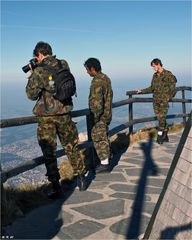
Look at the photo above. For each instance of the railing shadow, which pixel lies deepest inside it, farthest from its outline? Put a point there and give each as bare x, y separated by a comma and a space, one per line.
149, 168
119, 147
171, 232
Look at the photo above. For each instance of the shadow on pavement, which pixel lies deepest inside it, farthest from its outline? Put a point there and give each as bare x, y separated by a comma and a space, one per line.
43, 222
119, 146
171, 232
149, 168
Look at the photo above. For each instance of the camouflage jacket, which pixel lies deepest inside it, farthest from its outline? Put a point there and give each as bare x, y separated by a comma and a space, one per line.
100, 98
39, 88
163, 86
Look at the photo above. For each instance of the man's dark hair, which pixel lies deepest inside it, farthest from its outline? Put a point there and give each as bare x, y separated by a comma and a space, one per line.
156, 61
93, 62
43, 48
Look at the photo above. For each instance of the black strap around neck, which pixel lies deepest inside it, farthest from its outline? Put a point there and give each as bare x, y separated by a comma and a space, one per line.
59, 64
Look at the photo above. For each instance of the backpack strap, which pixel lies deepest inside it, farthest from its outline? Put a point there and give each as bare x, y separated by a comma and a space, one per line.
59, 64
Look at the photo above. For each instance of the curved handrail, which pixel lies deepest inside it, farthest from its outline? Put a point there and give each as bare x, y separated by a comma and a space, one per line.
185, 88
85, 112
11, 122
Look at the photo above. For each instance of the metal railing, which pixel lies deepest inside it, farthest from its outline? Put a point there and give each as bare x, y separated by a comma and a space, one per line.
4, 123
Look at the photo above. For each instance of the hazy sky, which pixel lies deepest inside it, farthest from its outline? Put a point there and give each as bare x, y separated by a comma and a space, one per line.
124, 35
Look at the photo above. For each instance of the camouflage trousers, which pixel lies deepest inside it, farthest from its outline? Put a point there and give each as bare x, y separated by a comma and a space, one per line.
161, 109
99, 135
49, 127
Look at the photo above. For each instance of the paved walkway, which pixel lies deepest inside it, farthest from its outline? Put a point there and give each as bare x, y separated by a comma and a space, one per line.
117, 205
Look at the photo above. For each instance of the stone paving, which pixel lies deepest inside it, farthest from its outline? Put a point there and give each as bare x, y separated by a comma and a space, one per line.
116, 205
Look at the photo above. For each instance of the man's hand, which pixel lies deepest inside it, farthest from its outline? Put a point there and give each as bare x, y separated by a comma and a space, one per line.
31, 70
138, 91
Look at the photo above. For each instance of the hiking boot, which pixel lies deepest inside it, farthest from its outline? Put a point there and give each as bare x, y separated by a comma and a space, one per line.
56, 191
165, 136
102, 168
81, 182
160, 137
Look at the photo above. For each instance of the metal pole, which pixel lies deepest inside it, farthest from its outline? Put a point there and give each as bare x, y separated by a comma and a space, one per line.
184, 107
91, 151
130, 115
88, 123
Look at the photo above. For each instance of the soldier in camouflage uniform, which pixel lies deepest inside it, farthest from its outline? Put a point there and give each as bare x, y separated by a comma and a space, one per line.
163, 87
53, 119
100, 105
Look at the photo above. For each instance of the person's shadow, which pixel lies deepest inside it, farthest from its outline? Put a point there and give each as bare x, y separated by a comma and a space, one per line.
45, 220
171, 232
149, 168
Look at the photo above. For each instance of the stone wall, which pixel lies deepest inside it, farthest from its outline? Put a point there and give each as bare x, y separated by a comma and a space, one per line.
172, 218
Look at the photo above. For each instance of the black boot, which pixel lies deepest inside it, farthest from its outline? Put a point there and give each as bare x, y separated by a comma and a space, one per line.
81, 182
165, 136
160, 137
101, 168
56, 191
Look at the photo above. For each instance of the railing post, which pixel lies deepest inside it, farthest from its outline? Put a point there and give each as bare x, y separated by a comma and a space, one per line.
88, 123
91, 164
130, 115
184, 106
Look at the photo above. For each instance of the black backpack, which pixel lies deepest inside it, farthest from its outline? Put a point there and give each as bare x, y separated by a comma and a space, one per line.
64, 86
